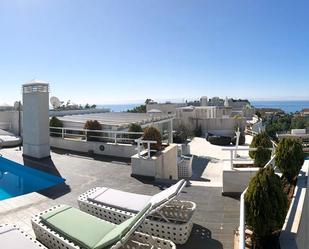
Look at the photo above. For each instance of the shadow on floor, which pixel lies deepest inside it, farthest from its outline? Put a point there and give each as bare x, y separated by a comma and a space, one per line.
200, 238
102, 158
47, 165
199, 164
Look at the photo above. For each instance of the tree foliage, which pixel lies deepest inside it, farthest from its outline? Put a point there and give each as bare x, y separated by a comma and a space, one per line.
289, 158
265, 205
262, 155
198, 131
279, 124
138, 109
153, 134
141, 108
93, 125
299, 122
55, 122
219, 140
135, 128
181, 134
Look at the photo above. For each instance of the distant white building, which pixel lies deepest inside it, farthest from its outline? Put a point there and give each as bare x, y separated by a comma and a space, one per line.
204, 101
165, 108
215, 114
6, 107
213, 119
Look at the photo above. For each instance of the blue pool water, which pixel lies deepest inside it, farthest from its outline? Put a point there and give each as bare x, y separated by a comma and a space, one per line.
17, 179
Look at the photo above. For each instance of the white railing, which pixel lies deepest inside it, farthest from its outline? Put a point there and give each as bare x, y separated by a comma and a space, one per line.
233, 151
141, 142
242, 214
95, 135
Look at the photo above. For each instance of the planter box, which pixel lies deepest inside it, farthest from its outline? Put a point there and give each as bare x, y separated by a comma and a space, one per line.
163, 165
236, 180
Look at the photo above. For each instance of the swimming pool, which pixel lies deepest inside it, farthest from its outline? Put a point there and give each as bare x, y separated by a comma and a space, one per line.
17, 179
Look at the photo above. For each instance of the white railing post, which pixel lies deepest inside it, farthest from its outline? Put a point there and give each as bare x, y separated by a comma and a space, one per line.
138, 147
231, 159
148, 147
115, 138
242, 235
237, 142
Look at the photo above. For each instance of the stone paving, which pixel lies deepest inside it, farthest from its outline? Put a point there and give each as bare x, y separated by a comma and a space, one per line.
215, 219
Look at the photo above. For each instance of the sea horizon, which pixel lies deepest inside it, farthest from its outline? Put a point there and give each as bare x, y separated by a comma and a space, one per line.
286, 105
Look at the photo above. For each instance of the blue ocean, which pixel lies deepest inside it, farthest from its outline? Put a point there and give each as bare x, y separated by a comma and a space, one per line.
119, 107
286, 105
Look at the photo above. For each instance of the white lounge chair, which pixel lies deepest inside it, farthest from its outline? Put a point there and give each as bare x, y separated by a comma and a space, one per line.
12, 237
65, 227
170, 218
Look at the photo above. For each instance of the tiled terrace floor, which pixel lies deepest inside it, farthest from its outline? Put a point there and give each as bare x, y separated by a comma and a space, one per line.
215, 219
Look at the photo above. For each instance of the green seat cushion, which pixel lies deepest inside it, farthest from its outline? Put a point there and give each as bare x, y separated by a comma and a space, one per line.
79, 227
122, 229
86, 230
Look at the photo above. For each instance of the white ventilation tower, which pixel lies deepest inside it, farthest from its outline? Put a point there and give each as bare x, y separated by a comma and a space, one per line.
204, 101
36, 119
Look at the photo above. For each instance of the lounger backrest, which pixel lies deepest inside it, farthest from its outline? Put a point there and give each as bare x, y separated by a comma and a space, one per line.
167, 194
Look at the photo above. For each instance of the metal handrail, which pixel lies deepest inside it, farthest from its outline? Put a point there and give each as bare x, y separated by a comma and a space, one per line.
242, 225
84, 134
140, 142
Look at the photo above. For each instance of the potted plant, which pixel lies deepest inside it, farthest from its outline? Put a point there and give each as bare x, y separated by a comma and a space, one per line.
289, 158
153, 134
93, 125
265, 207
262, 155
55, 122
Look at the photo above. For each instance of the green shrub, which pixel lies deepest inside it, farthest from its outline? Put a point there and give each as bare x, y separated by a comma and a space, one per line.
181, 135
55, 122
289, 158
219, 140
242, 139
198, 131
135, 128
153, 134
93, 125
265, 205
262, 155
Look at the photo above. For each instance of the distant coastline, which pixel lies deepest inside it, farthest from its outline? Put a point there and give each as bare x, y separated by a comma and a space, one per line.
286, 105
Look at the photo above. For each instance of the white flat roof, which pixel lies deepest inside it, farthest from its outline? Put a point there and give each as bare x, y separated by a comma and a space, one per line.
118, 118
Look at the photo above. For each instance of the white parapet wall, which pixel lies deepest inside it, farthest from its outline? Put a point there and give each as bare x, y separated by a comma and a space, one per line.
295, 231
236, 180
100, 148
298, 131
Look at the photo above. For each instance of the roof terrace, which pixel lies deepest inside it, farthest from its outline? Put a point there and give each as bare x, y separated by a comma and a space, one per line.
215, 219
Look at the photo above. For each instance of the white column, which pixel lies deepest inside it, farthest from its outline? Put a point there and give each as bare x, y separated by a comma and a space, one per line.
237, 142
36, 119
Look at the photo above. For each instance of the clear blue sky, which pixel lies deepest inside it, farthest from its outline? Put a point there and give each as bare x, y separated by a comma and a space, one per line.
102, 51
